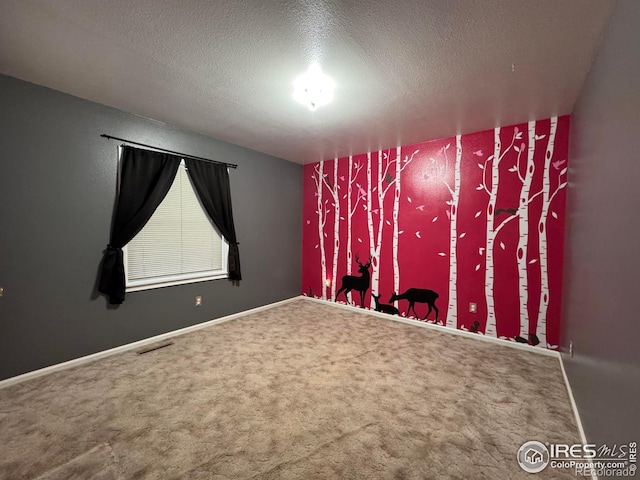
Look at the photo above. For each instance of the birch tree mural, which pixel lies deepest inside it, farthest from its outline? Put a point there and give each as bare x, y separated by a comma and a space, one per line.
492, 230
354, 170
493, 215
452, 213
396, 234
523, 229
318, 177
372, 243
333, 191
547, 199
384, 182
396, 209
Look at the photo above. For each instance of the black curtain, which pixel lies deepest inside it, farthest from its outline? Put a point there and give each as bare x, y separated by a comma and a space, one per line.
211, 183
145, 178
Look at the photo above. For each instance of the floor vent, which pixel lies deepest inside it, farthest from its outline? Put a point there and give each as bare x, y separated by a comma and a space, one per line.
153, 348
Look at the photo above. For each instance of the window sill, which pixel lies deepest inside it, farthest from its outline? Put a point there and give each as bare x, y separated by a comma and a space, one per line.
172, 283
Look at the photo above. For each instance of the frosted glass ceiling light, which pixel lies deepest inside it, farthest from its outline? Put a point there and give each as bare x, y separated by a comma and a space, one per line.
313, 89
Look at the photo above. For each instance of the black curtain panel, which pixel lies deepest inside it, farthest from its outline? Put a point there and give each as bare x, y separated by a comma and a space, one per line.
145, 179
211, 183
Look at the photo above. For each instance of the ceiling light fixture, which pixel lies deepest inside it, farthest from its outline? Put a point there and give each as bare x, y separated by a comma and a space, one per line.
313, 89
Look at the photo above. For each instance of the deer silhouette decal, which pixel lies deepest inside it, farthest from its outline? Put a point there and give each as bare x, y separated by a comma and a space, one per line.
418, 295
383, 307
357, 283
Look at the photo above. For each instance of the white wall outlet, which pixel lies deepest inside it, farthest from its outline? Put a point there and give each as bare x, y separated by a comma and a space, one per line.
473, 307
198, 301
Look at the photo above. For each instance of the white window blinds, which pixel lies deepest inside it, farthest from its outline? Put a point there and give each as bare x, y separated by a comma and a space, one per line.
179, 244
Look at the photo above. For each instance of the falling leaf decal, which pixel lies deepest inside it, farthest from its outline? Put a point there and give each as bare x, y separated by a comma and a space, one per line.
540, 137
442, 254
481, 166
418, 234
409, 199
478, 213
420, 207
479, 187
308, 222
400, 232
533, 261
477, 267
478, 153
502, 246
388, 222
316, 246
462, 235
360, 240
554, 215
448, 214
481, 250
434, 219
341, 218
344, 196
342, 177
447, 147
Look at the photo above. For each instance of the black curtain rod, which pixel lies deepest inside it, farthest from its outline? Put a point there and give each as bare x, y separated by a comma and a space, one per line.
230, 165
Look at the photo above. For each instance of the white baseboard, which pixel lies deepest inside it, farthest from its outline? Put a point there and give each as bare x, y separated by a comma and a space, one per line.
574, 407
440, 328
130, 346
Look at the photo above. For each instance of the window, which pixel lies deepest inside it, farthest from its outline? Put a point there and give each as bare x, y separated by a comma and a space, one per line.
178, 245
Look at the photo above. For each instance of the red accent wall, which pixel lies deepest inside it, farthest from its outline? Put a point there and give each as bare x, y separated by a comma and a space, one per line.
454, 201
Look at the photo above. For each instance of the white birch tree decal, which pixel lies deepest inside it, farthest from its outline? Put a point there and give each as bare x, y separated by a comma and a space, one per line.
372, 248
384, 182
452, 308
321, 210
547, 199
396, 210
354, 170
523, 228
333, 191
492, 230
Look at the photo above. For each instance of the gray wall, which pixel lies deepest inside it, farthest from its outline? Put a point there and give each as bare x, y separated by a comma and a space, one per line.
603, 243
57, 187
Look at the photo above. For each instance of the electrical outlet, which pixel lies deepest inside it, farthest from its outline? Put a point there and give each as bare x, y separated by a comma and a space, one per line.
198, 301
473, 307
570, 348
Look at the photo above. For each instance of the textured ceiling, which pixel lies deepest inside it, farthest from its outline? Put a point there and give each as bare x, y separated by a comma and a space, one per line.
406, 71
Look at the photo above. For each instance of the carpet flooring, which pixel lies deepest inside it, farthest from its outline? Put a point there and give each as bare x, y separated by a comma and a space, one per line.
300, 391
